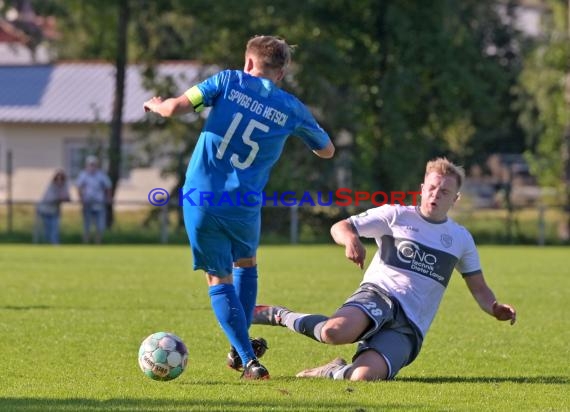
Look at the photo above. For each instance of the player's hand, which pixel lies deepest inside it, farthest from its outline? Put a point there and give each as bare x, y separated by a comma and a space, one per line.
150, 105
356, 252
504, 312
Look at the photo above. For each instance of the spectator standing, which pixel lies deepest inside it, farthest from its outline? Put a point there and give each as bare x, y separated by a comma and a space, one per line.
48, 209
94, 187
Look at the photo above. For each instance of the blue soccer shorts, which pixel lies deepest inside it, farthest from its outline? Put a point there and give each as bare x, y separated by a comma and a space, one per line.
217, 242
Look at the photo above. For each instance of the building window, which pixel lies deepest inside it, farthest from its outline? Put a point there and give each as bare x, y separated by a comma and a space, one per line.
77, 150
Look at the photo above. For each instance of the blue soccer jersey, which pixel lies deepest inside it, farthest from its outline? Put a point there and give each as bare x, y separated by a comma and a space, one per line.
244, 135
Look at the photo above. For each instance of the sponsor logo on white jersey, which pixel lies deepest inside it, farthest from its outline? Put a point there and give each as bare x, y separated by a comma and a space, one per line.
419, 260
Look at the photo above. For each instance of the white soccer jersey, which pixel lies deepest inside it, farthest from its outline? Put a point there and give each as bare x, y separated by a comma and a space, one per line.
415, 257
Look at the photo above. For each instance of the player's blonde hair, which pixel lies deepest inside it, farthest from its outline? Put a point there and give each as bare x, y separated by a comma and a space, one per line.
444, 167
272, 52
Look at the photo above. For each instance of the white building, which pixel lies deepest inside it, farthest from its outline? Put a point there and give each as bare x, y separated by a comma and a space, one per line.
50, 116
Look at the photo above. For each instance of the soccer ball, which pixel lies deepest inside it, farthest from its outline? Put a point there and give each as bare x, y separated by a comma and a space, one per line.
163, 356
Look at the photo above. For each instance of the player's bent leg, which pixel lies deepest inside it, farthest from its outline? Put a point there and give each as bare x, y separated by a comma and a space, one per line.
368, 366
346, 326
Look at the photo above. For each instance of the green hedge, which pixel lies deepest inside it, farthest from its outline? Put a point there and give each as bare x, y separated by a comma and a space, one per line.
143, 225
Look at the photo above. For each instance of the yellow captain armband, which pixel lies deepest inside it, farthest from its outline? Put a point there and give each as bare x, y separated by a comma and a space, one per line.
195, 96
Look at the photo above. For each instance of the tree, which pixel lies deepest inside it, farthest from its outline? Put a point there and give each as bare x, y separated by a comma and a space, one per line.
400, 83
441, 92
115, 138
546, 116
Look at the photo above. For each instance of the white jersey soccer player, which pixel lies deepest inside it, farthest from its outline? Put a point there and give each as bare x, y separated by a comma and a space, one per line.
415, 257
396, 302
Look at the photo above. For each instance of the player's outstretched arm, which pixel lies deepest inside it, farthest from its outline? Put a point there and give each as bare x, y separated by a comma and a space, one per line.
327, 152
487, 301
169, 107
345, 234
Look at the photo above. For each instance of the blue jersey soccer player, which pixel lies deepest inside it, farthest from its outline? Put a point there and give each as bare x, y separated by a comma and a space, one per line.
250, 120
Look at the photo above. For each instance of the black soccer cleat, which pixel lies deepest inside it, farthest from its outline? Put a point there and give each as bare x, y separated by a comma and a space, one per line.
269, 315
255, 371
259, 346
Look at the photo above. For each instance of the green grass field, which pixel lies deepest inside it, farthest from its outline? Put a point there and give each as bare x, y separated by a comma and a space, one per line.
72, 319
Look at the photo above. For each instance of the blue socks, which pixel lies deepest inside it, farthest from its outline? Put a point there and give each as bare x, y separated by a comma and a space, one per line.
245, 282
230, 315
233, 306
